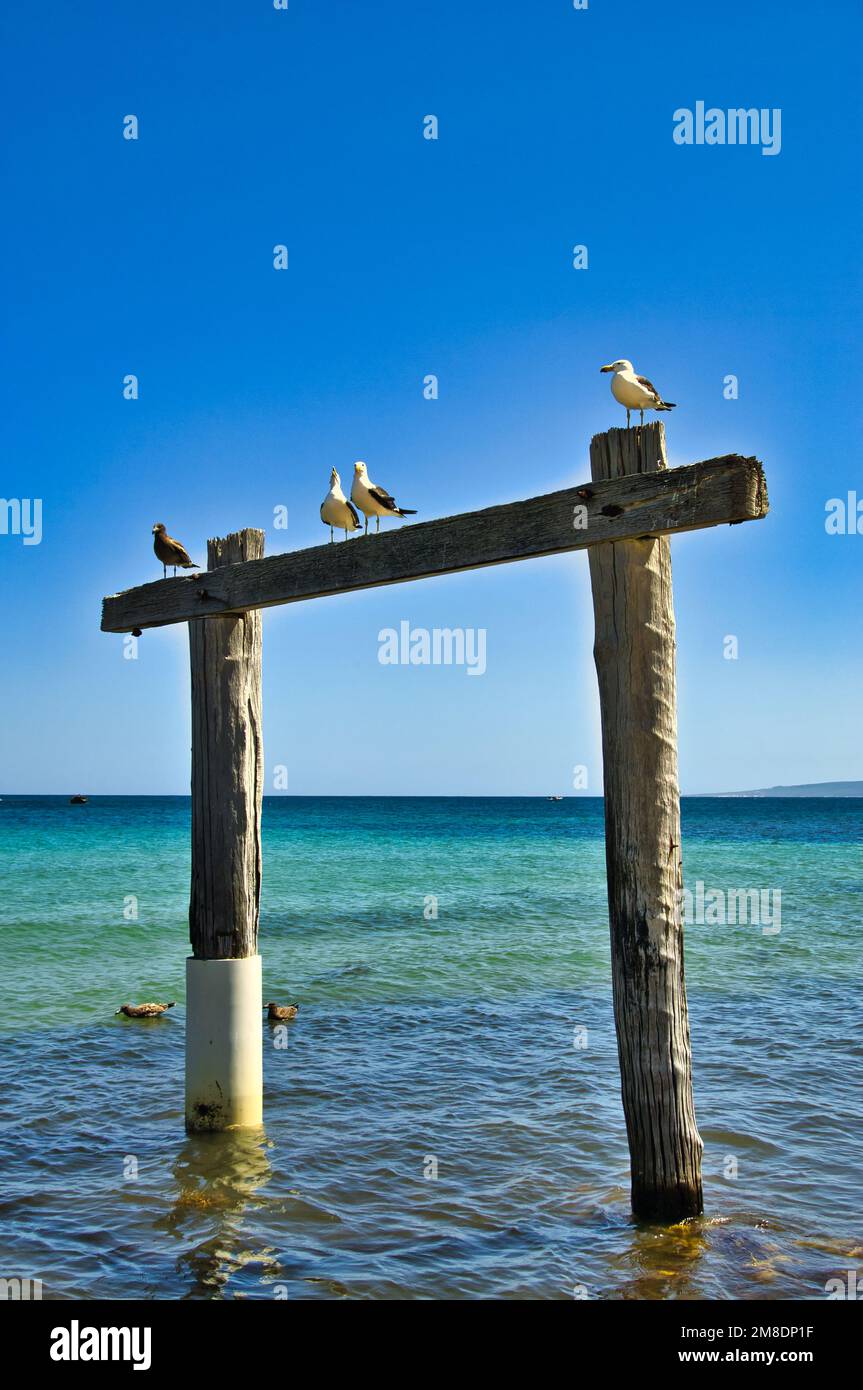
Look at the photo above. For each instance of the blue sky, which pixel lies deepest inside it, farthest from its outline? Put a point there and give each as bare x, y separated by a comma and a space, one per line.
407, 257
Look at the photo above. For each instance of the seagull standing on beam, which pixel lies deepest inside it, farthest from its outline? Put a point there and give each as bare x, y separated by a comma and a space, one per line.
634, 392
170, 552
373, 500
336, 510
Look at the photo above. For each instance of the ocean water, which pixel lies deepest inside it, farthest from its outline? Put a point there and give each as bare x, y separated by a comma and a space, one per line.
424, 1044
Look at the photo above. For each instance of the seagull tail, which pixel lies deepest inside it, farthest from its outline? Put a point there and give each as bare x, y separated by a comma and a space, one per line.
407, 511
171, 1005
667, 405
188, 565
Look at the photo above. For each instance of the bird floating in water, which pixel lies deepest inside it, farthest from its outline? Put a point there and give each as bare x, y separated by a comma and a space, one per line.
171, 552
336, 510
144, 1010
373, 500
634, 392
281, 1013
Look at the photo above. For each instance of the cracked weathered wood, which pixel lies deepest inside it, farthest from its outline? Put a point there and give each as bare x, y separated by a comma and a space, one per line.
635, 662
727, 489
227, 770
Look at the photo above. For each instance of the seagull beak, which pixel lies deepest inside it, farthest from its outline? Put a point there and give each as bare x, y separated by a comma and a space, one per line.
609, 368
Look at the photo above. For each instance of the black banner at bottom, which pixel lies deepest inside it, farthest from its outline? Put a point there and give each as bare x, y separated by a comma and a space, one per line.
267, 1339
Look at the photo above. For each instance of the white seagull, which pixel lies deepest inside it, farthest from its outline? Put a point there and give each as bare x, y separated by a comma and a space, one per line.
336, 510
372, 500
634, 392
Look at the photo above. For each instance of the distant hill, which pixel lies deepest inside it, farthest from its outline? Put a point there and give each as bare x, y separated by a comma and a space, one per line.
805, 789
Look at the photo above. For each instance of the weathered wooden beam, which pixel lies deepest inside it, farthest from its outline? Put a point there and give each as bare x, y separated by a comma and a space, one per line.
223, 976
728, 489
635, 662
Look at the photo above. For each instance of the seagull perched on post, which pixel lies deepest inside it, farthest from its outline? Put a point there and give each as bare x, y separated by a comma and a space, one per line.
634, 392
336, 510
170, 552
372, 500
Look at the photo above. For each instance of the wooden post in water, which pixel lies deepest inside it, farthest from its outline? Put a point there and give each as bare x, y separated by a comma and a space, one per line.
635, 662
223, 977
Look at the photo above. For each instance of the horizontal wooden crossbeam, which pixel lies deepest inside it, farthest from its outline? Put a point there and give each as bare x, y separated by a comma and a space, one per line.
717, 491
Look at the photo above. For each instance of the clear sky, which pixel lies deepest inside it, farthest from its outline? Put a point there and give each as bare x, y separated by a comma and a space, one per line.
407, 257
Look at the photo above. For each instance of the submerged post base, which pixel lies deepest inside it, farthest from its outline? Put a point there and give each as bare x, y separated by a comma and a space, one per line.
224, 1055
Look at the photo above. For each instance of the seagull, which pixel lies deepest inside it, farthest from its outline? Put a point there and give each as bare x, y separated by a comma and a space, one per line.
170, 552
281, 1013
336, 510
144, 1010
634, 392
372, 500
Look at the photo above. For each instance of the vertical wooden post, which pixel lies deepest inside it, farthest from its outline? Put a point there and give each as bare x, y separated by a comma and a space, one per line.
223, 976
635, 662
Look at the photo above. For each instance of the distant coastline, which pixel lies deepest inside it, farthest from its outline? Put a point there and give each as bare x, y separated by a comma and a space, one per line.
802, 789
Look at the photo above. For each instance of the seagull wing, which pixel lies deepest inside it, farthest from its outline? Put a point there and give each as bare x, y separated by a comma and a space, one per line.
353, 511
384, 498
179, 553
648, 386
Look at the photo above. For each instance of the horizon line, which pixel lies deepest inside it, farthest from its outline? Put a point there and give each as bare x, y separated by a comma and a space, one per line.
762, 792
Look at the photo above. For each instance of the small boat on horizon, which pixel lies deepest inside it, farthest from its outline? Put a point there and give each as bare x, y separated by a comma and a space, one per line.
554, 798
78, 800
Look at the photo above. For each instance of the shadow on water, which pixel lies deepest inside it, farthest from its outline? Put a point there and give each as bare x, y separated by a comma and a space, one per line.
735, 1255
218, 1178
665, 1261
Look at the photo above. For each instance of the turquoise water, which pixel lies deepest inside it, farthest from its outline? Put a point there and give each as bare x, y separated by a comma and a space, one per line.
423, 1040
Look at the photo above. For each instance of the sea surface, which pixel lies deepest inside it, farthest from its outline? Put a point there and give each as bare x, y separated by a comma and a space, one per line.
445, 1120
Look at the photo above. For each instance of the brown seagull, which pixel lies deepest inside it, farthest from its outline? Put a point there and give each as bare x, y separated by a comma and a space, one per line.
170, 552
144, 1010
281, 1013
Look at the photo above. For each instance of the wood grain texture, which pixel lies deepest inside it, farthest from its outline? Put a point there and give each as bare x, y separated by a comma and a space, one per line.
728, 489
635, 662
227, 770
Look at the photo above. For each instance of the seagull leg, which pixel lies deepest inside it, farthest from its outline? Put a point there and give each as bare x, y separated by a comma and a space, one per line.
332, 537
367, 525
378, 520
164, 571
627, 417
642, 417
